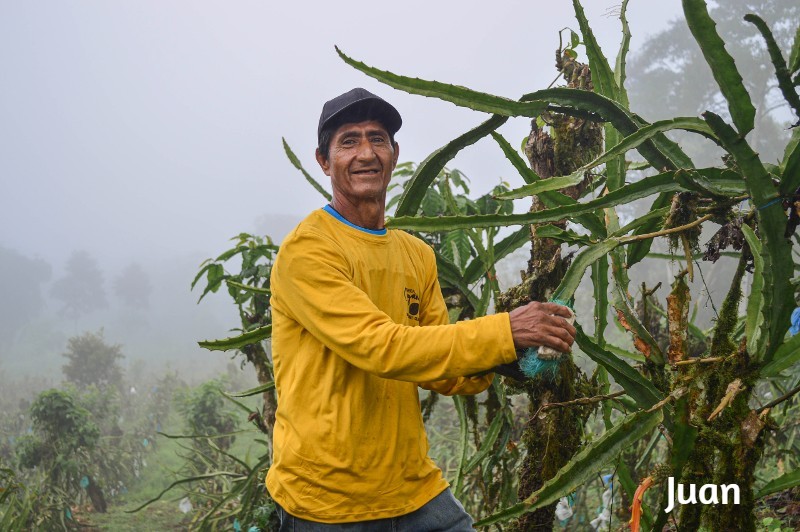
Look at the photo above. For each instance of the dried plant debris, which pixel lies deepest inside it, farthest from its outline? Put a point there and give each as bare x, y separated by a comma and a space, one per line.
729, 236
793, 204
683, 211
678, 317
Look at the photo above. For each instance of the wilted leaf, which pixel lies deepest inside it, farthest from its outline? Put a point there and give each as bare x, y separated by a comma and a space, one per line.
638, 343
751, 428
678, 319
729, 235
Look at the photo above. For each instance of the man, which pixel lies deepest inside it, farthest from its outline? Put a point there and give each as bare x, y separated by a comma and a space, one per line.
358, 323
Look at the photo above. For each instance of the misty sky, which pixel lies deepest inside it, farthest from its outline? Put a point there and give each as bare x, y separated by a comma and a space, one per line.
137, 129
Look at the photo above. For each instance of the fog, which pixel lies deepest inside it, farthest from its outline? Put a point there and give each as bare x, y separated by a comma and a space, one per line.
150, 132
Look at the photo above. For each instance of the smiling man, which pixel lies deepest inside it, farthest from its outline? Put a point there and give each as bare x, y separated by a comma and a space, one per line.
359, 323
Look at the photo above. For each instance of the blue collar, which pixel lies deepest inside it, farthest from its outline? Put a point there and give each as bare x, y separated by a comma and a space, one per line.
333, 212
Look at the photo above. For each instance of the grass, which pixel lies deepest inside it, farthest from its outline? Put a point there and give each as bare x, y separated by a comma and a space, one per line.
161, 470
161, 515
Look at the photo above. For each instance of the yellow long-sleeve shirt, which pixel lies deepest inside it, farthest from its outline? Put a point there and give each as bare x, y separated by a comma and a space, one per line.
358, 323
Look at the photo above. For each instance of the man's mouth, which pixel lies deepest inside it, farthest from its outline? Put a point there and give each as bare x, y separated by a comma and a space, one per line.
367, 171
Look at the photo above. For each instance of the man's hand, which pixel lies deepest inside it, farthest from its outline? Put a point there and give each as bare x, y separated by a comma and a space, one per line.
537, 324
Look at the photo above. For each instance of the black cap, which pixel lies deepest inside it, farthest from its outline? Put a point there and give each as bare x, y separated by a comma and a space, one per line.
366, 104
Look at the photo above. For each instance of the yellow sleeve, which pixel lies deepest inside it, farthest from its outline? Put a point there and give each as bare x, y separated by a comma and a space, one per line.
313, 285
436, 314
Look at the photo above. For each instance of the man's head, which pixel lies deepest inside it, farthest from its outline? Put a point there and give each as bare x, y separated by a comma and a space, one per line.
357, 147
356, 105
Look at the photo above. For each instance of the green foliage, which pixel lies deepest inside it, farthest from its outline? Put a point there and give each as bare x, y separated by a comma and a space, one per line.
465, 256
62, 449
787, 355
635, 385
240, 341
206, 412
711, 418
772, 524
660, 67
479, 101
296, 163
232, 488
464, 233
62, 428
249, 289
585, 465
224, 483
24, 507
722, 65
416, 189
784, 482
91, 361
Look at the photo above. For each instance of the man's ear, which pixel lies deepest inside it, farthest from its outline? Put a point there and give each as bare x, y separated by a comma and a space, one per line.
396, 155
323, 163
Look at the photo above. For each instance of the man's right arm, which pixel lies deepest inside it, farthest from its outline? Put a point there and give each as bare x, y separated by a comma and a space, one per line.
312, 285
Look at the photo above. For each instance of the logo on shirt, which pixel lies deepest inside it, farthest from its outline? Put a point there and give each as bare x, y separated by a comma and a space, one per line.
412, 300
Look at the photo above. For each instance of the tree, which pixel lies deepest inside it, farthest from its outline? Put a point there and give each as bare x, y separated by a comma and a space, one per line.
20, 290
133, 286
92, 361
660, 69
207, 413
61, 446
81, 289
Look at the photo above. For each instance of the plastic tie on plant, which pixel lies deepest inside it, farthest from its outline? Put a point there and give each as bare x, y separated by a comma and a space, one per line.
533, 363
770, 203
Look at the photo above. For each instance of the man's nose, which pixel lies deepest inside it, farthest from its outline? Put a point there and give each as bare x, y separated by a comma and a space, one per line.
365, 150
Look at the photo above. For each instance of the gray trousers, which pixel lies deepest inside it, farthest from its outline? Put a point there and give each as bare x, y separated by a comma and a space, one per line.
443, 513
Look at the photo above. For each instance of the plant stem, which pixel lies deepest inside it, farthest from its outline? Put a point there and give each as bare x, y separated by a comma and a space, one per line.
779, 400
581, 401
710, 360
663, 232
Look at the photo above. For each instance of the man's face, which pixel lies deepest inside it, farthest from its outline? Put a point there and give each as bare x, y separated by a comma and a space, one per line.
360, 162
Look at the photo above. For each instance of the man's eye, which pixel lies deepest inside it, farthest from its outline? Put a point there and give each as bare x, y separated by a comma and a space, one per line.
378, 139
348, 142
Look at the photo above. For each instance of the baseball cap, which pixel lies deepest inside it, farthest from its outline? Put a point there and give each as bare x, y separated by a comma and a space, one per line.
368, 105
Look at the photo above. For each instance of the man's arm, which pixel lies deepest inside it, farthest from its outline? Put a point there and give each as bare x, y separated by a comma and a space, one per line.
435, 313
312, 284
535, 324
